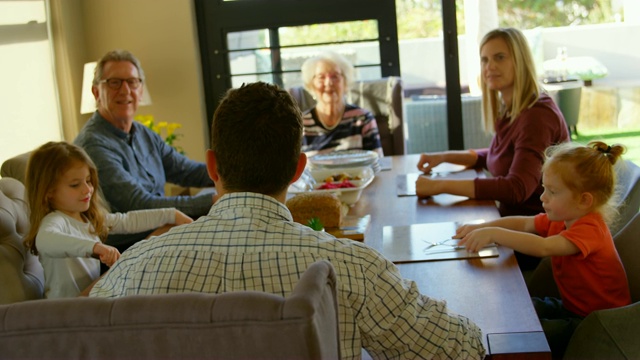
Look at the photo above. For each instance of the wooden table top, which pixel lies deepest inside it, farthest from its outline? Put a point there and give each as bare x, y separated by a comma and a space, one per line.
490, 291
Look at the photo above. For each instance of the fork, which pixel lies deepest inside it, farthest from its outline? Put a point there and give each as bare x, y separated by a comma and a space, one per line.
443, 242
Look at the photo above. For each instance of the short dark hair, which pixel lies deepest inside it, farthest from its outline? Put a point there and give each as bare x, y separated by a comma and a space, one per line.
256, 135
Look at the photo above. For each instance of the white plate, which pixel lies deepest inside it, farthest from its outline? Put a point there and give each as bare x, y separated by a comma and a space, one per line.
348, 196
344, 158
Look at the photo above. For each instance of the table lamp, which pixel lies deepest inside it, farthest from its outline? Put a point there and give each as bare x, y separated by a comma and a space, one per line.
88, 104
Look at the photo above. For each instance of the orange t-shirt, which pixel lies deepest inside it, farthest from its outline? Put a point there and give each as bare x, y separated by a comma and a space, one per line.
594, 278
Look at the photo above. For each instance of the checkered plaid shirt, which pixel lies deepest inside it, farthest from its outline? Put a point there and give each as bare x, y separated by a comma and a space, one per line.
248, 241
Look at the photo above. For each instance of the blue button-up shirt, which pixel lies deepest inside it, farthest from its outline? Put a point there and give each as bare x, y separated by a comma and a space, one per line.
134, 167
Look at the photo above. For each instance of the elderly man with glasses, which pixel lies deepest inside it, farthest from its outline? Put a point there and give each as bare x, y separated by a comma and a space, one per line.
133, 162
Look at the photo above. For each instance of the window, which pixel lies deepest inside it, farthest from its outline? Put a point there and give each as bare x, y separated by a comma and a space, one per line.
28, 99
248, 40
276, 55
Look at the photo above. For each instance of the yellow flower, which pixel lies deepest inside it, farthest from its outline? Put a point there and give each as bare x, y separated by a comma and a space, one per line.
171, 128
146, 120
165, 129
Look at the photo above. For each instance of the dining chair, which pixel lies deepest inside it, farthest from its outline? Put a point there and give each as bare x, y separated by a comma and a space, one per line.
383, 97
613, 333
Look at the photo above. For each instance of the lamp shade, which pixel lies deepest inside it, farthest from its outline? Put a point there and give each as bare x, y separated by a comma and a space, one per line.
88, 104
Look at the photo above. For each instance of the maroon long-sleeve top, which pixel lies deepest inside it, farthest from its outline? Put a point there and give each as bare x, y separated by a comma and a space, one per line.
515, 158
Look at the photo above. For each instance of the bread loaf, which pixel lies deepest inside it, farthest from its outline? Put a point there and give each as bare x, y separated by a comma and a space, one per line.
326, 206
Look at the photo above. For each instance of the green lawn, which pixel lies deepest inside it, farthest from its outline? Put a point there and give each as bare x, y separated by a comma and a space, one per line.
629, 138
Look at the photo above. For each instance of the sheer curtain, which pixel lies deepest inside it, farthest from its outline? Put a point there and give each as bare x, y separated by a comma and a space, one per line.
68, 51
29, 110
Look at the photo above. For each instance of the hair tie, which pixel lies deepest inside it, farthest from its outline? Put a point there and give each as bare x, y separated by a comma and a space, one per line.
605, 151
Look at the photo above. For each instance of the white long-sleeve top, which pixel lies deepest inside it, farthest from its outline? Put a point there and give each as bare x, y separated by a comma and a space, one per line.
65, 246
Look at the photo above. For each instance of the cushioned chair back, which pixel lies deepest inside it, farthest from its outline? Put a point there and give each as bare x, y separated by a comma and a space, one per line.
16, 167
627, 242
607, 334
235, 325
21, 275
383, 97
628, 175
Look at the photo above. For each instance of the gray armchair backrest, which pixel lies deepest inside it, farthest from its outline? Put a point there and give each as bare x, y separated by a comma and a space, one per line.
21, 275
628, 174
627, 242
16, 167
383, 97
235, 325
607, 334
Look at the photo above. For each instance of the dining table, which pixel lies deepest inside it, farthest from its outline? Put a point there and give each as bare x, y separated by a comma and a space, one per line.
490, 291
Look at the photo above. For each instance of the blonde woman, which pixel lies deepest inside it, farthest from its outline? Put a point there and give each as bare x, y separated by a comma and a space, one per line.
524, 122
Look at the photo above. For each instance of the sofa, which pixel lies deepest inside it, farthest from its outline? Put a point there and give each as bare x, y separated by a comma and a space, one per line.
234, 325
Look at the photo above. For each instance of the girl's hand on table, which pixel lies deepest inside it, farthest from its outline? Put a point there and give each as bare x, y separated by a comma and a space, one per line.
475, 240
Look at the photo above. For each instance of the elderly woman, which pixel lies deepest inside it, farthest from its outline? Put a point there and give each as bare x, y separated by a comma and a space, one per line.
333, 124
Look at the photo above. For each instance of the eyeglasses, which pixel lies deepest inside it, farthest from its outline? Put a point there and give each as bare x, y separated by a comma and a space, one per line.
321, 78
115, 83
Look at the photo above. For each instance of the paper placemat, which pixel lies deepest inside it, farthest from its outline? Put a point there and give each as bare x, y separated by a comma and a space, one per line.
413, 243
385, 163
406, 183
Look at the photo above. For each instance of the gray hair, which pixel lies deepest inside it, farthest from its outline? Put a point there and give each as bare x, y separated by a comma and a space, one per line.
116, 55
309, 66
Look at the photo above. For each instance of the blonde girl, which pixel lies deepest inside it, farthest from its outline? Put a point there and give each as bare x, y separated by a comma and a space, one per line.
579, 191
69, 221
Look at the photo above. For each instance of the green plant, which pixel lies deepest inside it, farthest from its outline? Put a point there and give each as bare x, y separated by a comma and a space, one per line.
166, 130
315, 224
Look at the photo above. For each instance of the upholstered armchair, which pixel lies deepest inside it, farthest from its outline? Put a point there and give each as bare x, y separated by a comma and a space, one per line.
234, 325
21, 275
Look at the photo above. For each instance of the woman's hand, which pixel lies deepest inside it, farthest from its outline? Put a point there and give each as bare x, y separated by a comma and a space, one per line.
107, 254
428, 161
426, 186
182, 218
